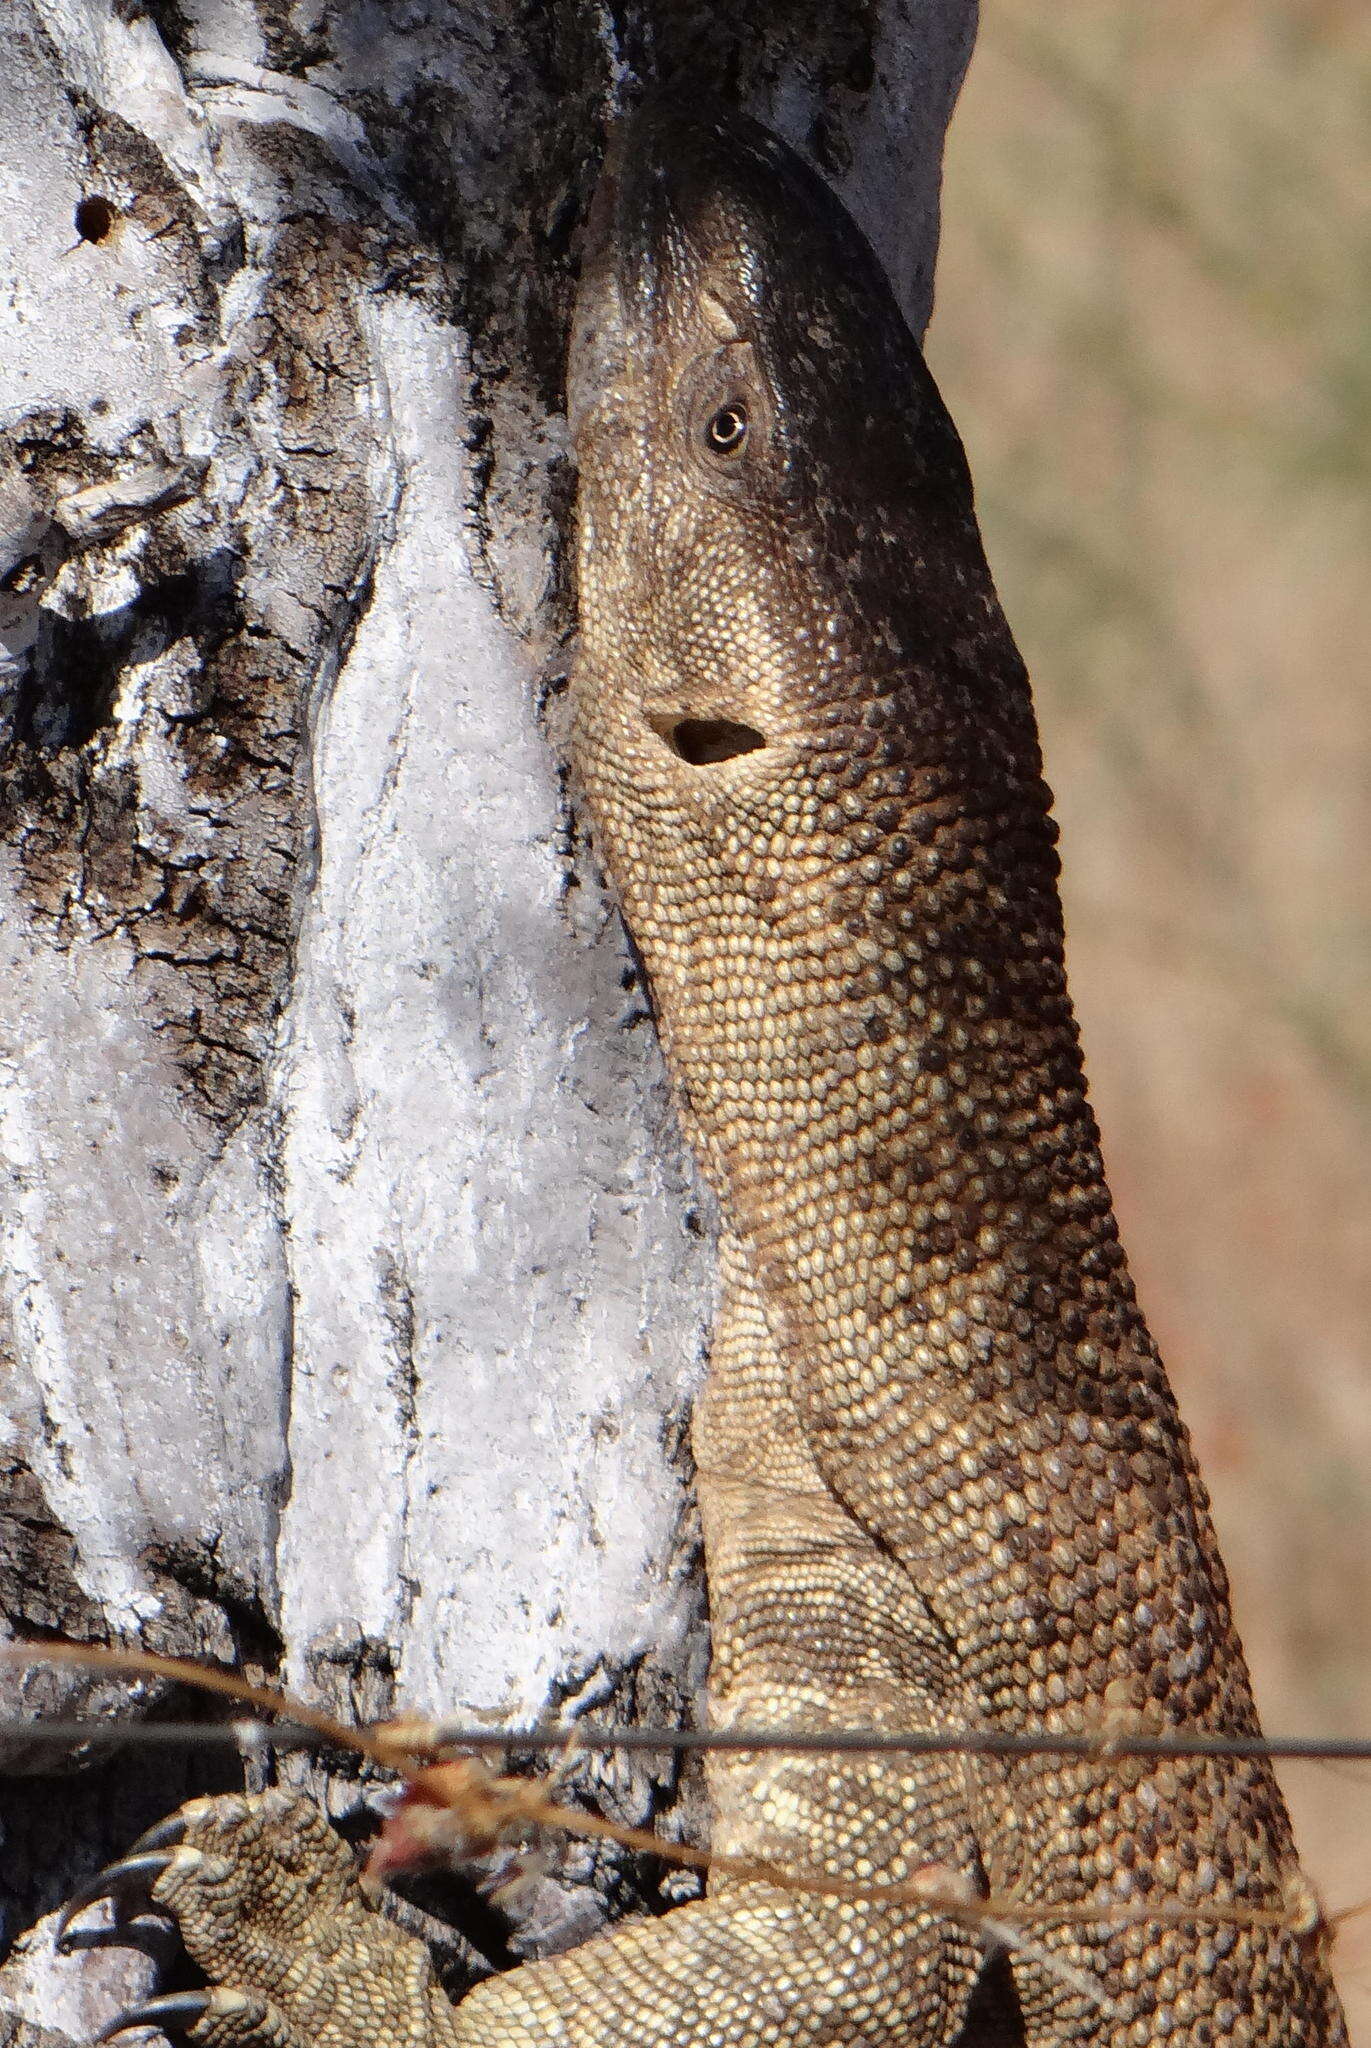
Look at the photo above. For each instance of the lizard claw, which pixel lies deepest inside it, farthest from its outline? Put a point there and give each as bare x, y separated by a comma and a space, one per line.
127, 1883
165, 1835
175, 2009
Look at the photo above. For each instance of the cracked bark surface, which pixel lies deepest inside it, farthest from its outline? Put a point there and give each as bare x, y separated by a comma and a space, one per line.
355, 1280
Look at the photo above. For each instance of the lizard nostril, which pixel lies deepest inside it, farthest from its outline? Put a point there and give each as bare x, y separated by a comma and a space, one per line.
698, 740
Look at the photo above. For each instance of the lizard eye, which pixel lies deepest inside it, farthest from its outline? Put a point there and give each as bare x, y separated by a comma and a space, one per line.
726, 429
725, 419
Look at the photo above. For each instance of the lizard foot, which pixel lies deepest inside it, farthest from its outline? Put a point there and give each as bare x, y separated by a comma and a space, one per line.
268, 1905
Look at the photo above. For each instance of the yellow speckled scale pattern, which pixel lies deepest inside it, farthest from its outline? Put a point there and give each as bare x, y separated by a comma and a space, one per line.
936, 1399
941, 1473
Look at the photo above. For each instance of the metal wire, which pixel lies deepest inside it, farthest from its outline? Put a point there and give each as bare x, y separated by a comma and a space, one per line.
246, 1731
88, 1733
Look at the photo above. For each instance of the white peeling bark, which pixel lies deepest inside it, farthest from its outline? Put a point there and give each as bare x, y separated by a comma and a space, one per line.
355, 1281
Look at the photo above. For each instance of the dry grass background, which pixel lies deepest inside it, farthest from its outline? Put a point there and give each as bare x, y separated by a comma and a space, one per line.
1154, 329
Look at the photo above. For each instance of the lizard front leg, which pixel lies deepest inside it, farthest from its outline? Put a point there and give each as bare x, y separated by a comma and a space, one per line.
268, 1906
813, 1627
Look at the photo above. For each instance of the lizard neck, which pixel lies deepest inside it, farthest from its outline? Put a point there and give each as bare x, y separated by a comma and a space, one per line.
868, 1027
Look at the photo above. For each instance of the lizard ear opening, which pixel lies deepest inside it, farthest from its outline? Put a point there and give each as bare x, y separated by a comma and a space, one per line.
700, 740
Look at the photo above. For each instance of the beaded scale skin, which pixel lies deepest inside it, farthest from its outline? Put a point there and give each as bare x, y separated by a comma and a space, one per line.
941, 1472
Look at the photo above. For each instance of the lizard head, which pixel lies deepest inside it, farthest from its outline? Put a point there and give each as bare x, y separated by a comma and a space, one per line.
800, 720
775, 512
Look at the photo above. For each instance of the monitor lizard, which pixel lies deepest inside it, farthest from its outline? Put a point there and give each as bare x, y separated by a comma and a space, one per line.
942, 1477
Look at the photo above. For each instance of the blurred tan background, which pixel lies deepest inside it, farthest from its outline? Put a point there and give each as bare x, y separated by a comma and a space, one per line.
1154, 330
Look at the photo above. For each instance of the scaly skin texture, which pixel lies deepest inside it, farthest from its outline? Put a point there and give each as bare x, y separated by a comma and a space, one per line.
941, 1472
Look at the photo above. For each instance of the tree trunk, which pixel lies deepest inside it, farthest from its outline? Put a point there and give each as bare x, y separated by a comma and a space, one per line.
356, 1281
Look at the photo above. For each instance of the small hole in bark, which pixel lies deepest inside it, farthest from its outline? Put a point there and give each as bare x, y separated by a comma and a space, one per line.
699, 740
94, 217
